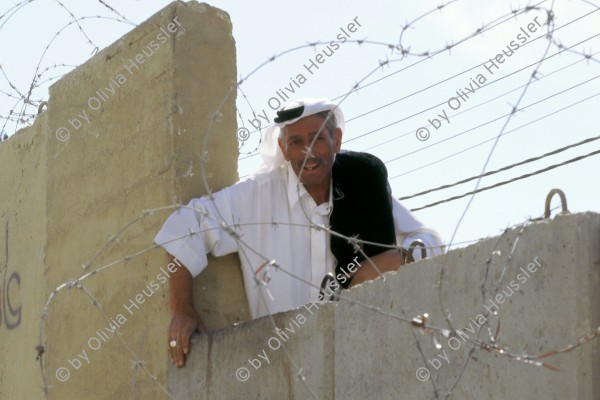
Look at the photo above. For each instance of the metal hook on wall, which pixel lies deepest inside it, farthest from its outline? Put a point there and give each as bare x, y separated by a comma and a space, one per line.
563, 200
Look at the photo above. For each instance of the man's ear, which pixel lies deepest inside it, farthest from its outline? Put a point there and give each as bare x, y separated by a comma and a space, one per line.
283, 149
337, 140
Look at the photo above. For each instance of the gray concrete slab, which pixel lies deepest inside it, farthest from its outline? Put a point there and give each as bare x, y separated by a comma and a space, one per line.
541, 282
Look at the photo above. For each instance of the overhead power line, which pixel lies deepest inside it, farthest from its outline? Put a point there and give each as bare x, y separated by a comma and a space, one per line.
491, 139
473, 68
477, 33
495, 119
444, 102
539, 79
433, 54
553, 152
509, 181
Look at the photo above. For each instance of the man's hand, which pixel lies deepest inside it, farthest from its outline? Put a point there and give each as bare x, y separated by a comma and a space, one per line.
185, 319
183, 324
390, 260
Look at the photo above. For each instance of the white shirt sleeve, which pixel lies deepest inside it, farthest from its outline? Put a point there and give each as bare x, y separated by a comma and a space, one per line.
193, 231
409, 229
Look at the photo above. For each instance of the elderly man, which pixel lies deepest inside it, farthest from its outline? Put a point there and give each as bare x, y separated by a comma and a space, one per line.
310, 213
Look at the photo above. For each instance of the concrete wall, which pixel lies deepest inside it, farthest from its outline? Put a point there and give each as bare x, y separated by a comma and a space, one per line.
347, 350
121, 134
23, 237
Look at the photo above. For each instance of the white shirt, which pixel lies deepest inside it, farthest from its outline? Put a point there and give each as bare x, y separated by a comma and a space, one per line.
266, 213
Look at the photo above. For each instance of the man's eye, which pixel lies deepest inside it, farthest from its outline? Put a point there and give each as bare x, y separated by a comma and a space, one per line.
294, 142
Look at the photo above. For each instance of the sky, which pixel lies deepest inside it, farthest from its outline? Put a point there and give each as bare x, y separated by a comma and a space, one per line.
461, 97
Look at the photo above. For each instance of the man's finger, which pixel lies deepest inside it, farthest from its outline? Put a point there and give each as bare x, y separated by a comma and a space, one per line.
179, 353
185, 342
173, 353
176, 352
173, 350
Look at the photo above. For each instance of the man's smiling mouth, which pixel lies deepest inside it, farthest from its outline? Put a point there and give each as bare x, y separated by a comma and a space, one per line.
312, 165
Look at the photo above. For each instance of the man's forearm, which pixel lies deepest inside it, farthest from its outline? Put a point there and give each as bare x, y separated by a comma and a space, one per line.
389, 260
185, 318
180, 288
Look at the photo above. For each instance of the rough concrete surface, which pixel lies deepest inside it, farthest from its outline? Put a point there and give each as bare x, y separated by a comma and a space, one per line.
347, 350
122, 133
23, 228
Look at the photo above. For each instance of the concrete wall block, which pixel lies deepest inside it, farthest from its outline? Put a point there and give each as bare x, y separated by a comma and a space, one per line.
549, 300
108, 147
22, 249
204, 129
252, 360
539, 311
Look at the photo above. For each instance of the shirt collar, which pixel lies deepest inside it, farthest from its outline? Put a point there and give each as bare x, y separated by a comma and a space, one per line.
293, 185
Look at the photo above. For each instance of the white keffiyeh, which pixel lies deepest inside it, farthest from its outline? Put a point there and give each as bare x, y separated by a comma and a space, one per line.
269, 147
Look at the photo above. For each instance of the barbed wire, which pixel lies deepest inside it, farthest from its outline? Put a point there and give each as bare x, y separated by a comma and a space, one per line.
463, 72
78, 284
415, 324
490, 25
18, 113
504, 134
412, 131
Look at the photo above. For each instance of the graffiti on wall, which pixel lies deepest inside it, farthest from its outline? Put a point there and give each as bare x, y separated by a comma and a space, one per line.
10, 284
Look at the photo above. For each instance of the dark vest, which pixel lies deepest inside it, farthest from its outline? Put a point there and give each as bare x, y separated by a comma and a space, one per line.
362, 207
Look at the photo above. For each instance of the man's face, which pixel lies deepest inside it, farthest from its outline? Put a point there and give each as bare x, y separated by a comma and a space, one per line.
319, 158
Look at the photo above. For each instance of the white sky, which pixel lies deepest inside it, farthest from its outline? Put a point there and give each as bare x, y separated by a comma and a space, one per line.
264, 28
